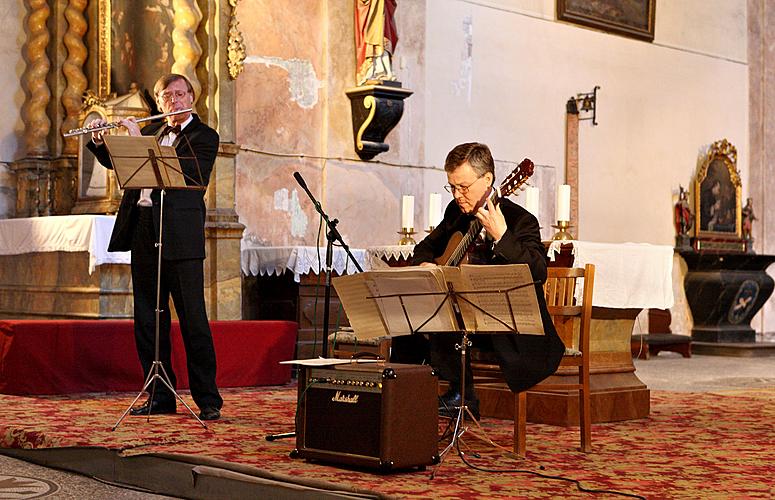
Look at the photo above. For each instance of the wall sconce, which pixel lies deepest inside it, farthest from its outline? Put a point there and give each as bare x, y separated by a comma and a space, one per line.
584, 103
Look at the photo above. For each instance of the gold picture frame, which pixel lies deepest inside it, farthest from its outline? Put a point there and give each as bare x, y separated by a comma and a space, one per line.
631, 18
718, 194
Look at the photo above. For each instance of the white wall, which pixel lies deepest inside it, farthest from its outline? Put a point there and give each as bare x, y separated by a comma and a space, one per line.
507, 80
11, 99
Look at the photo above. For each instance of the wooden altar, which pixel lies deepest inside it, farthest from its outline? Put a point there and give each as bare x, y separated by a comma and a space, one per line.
58, 267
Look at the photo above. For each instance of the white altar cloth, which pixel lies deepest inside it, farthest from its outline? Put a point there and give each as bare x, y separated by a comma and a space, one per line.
257, 260
62, 233
374, 255
627, 275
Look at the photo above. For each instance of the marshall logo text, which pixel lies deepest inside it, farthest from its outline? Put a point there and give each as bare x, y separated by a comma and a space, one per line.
345, 398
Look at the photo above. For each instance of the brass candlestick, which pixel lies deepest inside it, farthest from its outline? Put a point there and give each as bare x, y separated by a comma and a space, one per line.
406, 236
562, 234
430, 229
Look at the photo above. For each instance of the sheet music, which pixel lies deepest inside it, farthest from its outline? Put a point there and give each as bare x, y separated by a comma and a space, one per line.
412, 284
423, 291
499, 279
129, 155
173, 174
329, 361
364, 314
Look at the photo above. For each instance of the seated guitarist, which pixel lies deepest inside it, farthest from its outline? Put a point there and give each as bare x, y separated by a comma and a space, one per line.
510, 235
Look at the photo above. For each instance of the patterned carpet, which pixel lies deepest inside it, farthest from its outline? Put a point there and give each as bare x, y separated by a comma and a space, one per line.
692, 446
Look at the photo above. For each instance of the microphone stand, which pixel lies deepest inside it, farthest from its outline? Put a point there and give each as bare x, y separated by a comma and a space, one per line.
331, 235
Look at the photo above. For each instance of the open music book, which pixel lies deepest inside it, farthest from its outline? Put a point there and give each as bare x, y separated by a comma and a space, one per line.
133, 168
398, 301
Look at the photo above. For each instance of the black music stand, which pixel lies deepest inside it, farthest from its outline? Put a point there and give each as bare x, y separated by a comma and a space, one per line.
140, 163
468, 309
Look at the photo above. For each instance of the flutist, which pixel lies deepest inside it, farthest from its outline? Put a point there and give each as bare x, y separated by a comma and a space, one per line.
183, 250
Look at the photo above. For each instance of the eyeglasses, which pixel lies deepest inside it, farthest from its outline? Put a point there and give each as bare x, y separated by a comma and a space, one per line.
460, 189
169, 96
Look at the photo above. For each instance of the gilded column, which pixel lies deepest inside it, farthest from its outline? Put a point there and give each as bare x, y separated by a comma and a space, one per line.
36, 122
207, 68
73, 69
186, 50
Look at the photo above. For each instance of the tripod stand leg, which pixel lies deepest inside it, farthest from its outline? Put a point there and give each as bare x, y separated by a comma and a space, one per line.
152, 374
165, 381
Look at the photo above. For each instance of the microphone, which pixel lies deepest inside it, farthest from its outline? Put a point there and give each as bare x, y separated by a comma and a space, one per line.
300, 180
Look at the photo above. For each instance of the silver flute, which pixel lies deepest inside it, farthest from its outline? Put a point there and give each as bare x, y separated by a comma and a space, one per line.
87, 130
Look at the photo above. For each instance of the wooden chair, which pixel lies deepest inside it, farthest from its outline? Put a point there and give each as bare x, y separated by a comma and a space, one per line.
343, 344
566, 313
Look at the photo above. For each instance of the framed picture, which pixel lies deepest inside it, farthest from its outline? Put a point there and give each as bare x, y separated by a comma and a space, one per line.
717, 194
632, 18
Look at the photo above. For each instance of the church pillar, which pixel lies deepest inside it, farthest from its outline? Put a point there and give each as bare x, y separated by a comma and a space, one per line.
761, 112
223, 231
53, 83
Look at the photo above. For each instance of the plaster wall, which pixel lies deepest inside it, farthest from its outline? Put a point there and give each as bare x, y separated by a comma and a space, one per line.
501, 72
12, 16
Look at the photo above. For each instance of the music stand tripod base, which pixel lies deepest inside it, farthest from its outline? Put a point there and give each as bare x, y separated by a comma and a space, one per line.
463, 412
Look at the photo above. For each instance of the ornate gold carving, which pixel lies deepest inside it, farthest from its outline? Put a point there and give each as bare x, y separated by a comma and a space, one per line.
371, 104
236, 47
36, 122
73, 69
103, 47
91, 99
186, 50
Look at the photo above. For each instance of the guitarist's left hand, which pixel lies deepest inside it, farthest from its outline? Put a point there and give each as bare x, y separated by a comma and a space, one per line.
492, 219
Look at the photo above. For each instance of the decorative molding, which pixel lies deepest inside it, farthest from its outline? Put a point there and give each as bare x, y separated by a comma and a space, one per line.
34, 81
104, 47
186, 49
73, 69
236, 47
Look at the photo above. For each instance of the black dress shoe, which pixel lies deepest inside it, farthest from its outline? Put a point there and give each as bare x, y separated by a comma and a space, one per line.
209, 413
155, 408
449, 404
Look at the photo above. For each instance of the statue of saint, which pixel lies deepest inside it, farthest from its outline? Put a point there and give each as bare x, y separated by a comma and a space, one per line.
375, 39
748, 218
683, 214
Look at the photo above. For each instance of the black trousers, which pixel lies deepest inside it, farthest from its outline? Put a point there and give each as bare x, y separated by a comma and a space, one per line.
184, 281
438, 350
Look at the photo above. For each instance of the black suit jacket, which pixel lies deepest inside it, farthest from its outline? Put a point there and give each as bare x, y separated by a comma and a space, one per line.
525, 359
184, 210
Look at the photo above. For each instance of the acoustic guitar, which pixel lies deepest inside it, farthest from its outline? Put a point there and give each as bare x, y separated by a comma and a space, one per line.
459, 243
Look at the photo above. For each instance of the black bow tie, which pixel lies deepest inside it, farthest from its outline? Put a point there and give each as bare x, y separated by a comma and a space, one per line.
171, 130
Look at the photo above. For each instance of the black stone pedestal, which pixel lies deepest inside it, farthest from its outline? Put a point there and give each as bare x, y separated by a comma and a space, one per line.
724, 292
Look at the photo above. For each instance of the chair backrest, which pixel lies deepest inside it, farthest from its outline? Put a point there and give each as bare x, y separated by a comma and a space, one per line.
571, 318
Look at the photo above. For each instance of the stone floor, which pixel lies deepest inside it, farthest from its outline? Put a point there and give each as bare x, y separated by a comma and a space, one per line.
21, 480
667, 371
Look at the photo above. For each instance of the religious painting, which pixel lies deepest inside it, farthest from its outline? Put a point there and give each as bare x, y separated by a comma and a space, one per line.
135, 43
718, 193
632, 18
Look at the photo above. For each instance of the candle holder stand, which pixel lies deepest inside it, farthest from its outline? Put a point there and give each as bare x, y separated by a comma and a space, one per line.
430, 229
406, 236
562, 234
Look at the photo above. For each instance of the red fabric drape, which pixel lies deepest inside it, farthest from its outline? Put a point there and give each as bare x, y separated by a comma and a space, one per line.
65, 357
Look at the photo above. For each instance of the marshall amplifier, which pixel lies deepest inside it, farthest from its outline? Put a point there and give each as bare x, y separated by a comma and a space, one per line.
376, 415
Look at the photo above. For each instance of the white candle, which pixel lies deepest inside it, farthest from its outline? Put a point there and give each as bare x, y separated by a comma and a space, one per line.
563, 202
434, 209
407, 212
531, 200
